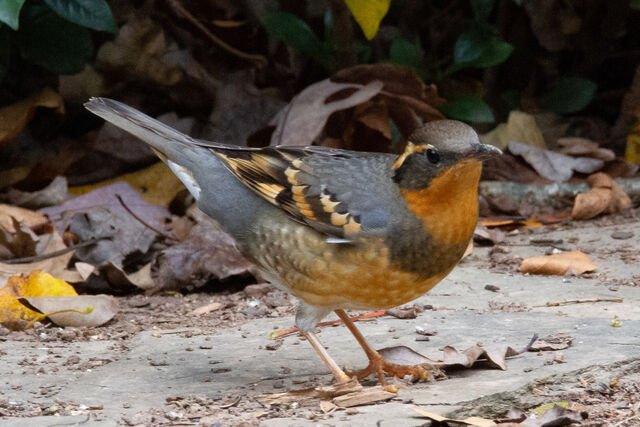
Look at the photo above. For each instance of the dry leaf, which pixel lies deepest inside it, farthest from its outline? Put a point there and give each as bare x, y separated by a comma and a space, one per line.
53, 194
205, 309
471, 421
605, 195
327, 407
37, 283
100, 215
554, 166
56, 266
156, 184
552, 343
142, 51
364, 397
321, 392
520, 127
495, 357
578, 147
25, 216
104, 309
574, 262
300, 122
85, 270
15, 117
207, 253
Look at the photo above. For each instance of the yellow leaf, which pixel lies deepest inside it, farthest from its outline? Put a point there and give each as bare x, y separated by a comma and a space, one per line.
15, 117
633, 145
542, 409
37, 284
156, 184
368, 14
520, 127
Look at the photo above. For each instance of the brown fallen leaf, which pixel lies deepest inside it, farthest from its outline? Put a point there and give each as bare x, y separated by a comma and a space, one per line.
300, 122
15, 117
104, 308
141, 52
101, 215
554, 166
27, 217
552, 343
574, 262
21, 242
53, 194
605, 196
327, 407
205, 309
495, 357
363, 397
582, 147
471, 421
56, 266
206, 253
485, 236
404, 100
301, 395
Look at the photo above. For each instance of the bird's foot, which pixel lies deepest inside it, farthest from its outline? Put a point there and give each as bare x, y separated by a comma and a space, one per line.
379, 366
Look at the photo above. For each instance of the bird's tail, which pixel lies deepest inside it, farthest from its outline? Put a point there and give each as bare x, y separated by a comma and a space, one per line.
159, 136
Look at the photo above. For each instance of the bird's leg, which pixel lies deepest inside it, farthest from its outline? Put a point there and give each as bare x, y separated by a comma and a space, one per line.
338, 373
377, 364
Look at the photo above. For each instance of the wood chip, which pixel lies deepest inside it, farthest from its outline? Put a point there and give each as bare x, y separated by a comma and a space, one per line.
364, 397
327, 407
206, 309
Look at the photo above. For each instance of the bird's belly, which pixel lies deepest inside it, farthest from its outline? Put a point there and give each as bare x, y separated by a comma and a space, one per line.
336, 275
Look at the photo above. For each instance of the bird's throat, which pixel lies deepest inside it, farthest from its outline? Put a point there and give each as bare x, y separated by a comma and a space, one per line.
448, 207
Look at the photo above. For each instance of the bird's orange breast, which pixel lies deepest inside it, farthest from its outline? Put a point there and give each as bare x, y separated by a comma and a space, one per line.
448, 207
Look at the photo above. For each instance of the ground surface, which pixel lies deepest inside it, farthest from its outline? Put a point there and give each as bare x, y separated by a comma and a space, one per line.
158, 364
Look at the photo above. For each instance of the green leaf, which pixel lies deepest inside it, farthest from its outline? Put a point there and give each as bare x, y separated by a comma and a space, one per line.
477, 49
482, 9
569, 95
634, 4
403, 52
5, 51
52, 42
294, 32
468, 108
94, 14
10, 12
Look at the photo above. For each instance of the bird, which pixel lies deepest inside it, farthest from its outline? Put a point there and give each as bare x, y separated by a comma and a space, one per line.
338, 229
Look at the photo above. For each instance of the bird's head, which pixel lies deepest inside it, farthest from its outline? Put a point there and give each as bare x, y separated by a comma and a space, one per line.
440, 147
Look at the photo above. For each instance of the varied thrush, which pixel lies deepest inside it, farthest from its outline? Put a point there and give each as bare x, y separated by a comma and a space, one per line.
338, 229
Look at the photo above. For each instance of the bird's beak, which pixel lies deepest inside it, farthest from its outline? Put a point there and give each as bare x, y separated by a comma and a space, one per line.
483, 151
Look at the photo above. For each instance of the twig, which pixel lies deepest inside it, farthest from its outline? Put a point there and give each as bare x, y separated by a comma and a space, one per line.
55, 253
141, 221
259, 60
285, 332
626, 420
580, 301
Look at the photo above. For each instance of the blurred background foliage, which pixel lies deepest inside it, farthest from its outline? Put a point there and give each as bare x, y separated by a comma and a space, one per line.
484, 58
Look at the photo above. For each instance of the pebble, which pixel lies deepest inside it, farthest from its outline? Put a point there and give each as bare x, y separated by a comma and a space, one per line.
621, 235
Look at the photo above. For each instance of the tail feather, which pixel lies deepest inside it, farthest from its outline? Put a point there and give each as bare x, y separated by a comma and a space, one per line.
158, 135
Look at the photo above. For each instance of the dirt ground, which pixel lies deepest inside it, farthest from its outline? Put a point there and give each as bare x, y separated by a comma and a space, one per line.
41, 364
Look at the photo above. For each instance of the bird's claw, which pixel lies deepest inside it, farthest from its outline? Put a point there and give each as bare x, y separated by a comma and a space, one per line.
379, 366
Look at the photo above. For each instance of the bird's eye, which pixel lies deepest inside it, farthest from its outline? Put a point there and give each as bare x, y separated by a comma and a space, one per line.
432, 155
